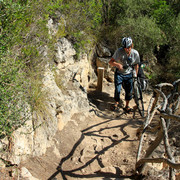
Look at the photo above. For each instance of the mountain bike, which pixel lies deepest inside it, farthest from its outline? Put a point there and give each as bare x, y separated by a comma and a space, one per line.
138, 98
137, 90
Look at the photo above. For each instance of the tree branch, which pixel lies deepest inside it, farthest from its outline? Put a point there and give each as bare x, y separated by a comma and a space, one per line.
158, 160
170, 116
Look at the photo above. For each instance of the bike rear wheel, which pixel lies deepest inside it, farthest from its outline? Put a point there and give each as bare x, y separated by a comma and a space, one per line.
138, 98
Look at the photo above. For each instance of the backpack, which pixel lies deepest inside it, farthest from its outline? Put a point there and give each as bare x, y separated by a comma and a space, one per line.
142, 77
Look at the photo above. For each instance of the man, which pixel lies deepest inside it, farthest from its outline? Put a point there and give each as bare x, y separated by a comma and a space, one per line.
123, 74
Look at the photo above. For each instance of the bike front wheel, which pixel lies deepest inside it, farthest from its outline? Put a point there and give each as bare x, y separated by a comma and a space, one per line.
138, 98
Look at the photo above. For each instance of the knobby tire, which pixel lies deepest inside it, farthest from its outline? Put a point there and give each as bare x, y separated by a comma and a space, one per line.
138, 98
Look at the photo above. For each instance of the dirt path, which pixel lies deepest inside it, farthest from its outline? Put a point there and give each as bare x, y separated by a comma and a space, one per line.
103, 146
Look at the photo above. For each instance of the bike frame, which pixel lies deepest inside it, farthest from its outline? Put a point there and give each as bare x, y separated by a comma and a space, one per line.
137, 91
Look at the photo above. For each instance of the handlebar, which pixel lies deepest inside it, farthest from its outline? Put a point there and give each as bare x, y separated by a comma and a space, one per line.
132, 65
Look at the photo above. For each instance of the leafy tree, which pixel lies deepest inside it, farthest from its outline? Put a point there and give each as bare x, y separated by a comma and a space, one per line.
83, 21
173, 64
175, 5
162, 13
121, 9
144, 32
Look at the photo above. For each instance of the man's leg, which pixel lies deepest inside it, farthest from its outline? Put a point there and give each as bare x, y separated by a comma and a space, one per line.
128, 83
127, 103
118, 83
117, 91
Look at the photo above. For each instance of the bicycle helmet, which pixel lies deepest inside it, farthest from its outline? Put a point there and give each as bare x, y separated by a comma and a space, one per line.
126, 42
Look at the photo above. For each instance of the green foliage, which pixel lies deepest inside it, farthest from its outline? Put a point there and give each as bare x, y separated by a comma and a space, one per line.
19, 54
52, 7
134, 18
36, 96
172, 64
12, 21
12, 101
83, 21
121, 9
175, 6
13, 18
61, 30
93, 12
151, 23
174, 37
174, 68
144, 31
162, 13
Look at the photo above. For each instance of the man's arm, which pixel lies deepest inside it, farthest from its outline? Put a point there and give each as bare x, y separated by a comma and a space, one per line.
136, 68
113, 63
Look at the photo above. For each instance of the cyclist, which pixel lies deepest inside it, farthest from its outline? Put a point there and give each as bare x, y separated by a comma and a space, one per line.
123, 74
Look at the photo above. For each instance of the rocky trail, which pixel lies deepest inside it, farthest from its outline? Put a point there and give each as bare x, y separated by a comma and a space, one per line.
102, 146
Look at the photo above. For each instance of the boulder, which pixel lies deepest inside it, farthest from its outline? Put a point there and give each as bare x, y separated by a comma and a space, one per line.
103, 51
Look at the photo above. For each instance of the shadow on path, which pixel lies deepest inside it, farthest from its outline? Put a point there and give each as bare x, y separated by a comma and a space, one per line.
100, 103
89, 132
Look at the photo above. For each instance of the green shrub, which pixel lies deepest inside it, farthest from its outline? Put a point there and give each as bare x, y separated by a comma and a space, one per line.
18, 49
162, 13
83, 21
144, 32
120, 9
13, 108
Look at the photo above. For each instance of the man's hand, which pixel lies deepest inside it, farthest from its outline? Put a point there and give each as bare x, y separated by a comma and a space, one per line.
136, 68
119, 66
112, 62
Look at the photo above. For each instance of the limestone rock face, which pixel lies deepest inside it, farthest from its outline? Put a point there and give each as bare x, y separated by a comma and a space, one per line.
65, 53
102, 60
64, 94
103, 51
25, 174
22, 143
